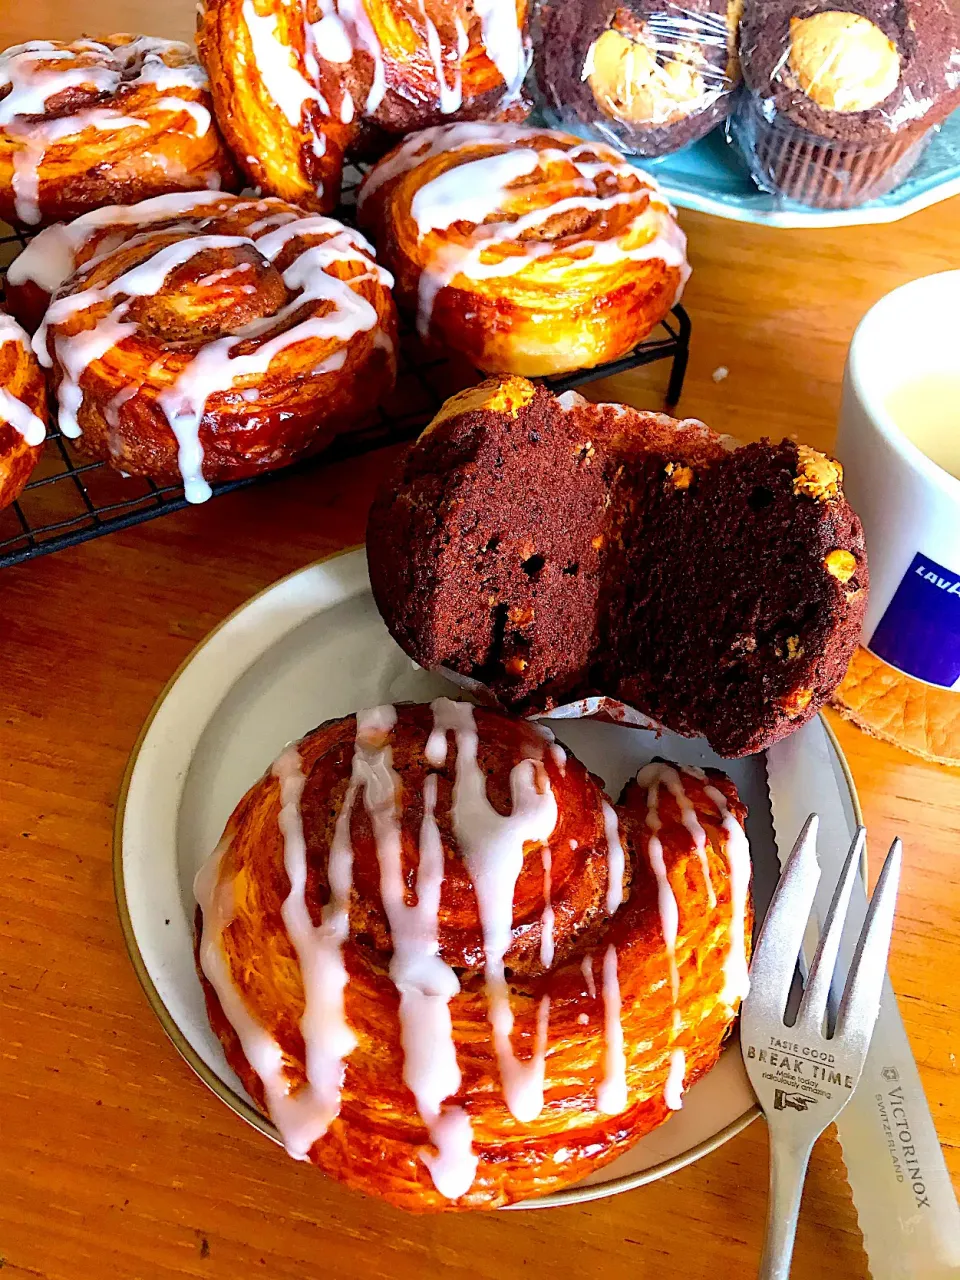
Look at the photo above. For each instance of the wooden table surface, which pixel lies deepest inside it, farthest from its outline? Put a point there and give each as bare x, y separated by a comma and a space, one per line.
115, 1161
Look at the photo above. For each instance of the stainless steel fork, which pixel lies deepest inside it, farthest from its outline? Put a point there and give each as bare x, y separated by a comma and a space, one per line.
802, 1075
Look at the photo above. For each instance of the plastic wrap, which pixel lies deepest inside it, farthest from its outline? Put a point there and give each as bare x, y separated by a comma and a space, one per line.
648, 75
840, 98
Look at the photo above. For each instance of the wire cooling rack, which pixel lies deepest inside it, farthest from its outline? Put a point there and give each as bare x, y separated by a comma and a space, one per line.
70, 499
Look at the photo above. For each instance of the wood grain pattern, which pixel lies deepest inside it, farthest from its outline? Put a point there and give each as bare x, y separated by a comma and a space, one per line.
114, 1160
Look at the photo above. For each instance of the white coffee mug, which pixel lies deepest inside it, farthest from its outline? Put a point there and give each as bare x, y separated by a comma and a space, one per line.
910, 506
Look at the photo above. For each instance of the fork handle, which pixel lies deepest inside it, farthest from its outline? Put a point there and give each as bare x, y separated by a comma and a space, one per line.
788, 1169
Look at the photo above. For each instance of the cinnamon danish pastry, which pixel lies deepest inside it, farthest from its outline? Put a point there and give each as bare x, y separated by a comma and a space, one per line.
212, 337
108, 121
451, 973
528, 250
23, 410
297, 90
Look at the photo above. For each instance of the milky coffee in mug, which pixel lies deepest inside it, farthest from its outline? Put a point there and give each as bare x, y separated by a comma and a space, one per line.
899, 443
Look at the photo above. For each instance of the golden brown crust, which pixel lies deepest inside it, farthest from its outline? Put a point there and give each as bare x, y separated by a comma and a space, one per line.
22, 392
895, 708
374, 1143
842, 60
383, 82
100, 122
317, 355
598, 263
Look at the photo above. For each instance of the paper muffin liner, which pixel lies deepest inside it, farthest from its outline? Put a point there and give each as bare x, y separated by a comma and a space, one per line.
790, 161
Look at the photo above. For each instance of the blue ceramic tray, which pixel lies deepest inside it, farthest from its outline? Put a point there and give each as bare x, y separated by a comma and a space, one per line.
710, 176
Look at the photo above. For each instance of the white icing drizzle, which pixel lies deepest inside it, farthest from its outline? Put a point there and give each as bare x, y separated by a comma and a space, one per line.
688, 816
201, 116
50, 257
39, 70
215, 368
13, 410
327, 1036
470, 193
651, 776
331, 40
492, 848
363, 35
673, 1089
615, 857
547, 918
22, 418
586, 968
283, 80
425, 982
737, 848
612, 1091
431, 142
481, 190
503, 40
450, 96
302, 1116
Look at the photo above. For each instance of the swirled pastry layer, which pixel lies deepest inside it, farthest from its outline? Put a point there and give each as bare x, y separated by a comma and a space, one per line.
528, 250
23, 410
298, 88
209, 337
450, 971
108, 121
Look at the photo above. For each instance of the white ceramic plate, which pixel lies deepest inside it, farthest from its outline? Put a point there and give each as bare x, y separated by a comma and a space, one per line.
307, 649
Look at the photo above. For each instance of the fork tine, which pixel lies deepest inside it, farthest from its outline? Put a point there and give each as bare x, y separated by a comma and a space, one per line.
813, 1006
861, 996
781, 937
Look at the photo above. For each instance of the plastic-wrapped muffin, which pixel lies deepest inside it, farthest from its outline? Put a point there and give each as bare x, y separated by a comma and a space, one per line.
649, 75
842, 95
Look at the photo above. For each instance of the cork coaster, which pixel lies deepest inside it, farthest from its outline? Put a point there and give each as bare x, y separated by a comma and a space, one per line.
896, 708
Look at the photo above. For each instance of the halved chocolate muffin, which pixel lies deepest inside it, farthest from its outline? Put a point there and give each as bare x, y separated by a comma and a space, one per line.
841, 95
552, 549
650, 75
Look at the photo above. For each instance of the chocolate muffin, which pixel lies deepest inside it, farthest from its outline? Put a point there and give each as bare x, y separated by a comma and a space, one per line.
650, 75
842, 95
552, 549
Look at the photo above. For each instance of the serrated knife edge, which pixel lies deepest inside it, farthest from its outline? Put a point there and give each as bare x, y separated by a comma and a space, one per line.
902, 1192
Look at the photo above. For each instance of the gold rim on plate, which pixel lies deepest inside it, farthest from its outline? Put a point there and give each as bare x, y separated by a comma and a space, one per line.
240, 1106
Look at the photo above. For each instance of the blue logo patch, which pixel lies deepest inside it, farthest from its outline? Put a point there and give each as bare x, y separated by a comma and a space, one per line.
920, 631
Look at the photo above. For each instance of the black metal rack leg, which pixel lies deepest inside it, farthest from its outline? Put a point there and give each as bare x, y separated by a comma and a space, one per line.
678, 368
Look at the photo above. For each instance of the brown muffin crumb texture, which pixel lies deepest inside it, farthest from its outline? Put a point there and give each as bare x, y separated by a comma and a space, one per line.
559, 552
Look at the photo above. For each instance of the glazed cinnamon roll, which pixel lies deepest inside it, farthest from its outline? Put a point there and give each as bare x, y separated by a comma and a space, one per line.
295, 94
23, 410
217, 341
451, 973
528, 250
97, 122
